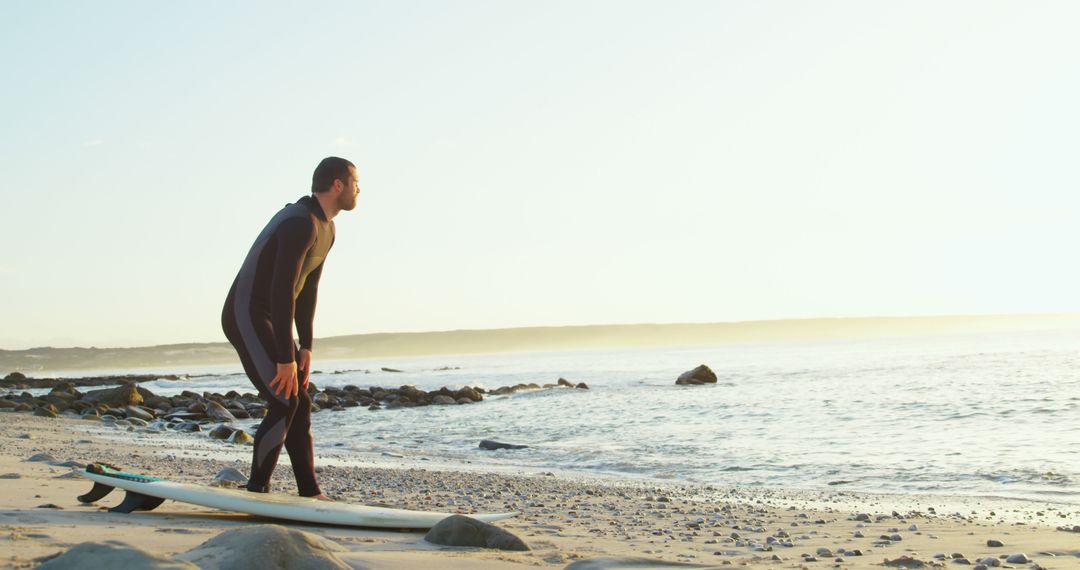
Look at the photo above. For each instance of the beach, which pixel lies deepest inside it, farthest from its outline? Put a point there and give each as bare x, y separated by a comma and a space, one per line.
564, 518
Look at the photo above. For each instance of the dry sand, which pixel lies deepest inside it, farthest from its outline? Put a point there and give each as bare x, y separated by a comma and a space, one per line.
565, 519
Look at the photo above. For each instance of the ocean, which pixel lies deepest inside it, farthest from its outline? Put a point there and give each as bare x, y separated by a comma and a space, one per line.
984, 415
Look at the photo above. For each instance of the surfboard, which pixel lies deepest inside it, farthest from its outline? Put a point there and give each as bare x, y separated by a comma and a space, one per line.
146, 493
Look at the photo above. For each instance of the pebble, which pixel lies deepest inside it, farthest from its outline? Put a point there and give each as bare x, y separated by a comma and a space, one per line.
1018, 558
41, 457
994, 543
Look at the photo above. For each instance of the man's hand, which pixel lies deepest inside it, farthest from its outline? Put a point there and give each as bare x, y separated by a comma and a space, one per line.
285, 382
305, 366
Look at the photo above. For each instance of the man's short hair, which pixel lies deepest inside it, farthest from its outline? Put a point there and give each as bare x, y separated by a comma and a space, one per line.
330, 169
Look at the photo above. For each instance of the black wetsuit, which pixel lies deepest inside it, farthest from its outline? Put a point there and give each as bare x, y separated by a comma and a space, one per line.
276, 286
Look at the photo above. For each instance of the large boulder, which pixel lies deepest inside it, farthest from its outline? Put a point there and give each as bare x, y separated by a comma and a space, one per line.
112, 554
460, 530
700, 375
120, 397
266, 547
15, 377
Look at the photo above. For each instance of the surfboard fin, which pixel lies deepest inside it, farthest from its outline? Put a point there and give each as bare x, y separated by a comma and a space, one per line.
99, 491
136, 502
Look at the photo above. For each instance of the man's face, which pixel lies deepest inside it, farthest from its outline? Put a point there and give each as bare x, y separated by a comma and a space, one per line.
347, 198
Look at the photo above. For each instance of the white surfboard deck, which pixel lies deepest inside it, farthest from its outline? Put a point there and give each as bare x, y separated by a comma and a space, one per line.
289, 507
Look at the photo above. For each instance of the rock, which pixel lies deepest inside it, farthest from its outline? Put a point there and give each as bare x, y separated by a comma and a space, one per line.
906, 561
112, 554
45, 457
5, 403
137, 412
15, 377
218, 412
1018, 558
565, 382
460, 530
266, 547
491, 444
441, 400
385, 369
994, 543
626, 563
470, 393
700, 375
582, 386
229, 478
48, 411
119, 397
10, 476
221, 432
241, 437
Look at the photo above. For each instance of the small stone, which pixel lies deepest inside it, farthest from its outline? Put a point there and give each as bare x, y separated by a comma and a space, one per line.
1018, 558
41, 457
994, 543
228, 477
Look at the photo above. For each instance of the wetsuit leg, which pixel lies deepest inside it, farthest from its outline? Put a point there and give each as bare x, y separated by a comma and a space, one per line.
299, 444
253, 341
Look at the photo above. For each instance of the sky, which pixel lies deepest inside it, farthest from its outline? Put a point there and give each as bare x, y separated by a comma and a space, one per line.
538, 163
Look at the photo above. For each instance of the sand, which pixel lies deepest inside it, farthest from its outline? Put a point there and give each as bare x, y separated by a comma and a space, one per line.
566, 519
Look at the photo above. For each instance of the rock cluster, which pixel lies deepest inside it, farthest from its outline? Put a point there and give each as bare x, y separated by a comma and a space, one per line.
18, 381
134, 406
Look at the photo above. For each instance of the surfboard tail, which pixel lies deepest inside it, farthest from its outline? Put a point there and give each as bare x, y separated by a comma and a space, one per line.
133, 501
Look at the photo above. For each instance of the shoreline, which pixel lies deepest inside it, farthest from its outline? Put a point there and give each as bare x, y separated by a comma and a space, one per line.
197, 444
565, 517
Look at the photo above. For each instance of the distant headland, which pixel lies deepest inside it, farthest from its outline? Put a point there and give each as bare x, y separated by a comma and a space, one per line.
536, 339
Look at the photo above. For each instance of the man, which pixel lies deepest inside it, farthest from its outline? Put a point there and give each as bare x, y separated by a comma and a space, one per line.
277, 285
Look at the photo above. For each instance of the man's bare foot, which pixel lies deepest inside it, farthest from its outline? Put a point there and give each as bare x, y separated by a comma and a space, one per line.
323, 497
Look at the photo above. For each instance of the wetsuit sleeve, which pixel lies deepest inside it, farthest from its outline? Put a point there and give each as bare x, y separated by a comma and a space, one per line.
295, 237
305, 307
